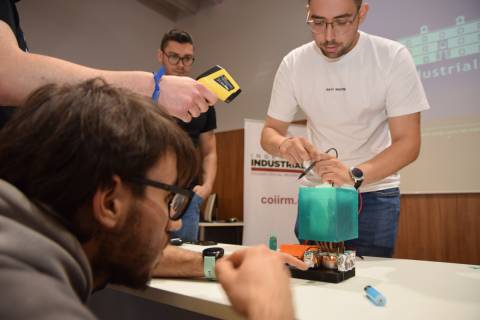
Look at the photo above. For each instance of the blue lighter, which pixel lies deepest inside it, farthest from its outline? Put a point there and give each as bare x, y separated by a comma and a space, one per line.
376, 297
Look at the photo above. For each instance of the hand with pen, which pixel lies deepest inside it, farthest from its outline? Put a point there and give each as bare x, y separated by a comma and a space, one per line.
296, 150
331, 170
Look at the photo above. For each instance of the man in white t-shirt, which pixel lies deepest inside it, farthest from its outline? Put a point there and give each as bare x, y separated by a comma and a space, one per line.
361, 95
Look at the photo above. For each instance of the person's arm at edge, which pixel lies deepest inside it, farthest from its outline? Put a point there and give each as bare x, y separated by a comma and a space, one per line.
405, 148
208, 151
21, 73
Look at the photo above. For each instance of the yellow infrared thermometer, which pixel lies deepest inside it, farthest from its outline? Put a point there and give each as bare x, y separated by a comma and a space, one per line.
220, 82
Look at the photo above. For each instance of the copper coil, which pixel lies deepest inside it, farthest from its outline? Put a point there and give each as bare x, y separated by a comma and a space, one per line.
330, 262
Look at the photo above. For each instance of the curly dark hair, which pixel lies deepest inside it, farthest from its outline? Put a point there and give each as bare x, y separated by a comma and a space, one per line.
66, 142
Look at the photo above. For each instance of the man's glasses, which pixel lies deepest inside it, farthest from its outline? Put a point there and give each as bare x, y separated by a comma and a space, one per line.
339, 25
178, 199
174, 59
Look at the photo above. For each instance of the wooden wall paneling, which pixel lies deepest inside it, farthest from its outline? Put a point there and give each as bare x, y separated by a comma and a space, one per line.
229, 182
408, 229
468, 227
439, 227
422, 228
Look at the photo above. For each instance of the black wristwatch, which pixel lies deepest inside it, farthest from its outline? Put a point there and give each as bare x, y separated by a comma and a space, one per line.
210, 255
357, 177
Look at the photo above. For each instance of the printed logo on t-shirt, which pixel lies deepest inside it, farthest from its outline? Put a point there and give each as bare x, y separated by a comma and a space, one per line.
335, 89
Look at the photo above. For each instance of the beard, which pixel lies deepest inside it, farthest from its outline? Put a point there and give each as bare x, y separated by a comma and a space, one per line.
340, 49
126, 255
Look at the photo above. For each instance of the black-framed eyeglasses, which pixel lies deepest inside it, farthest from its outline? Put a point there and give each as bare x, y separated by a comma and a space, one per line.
179, 198
174, 59
339, 25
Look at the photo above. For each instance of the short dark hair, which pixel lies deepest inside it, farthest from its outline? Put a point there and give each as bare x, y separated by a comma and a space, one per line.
357, 2
176, 35
66, 142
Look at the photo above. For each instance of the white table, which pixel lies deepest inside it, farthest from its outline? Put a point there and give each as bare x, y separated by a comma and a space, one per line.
414, 290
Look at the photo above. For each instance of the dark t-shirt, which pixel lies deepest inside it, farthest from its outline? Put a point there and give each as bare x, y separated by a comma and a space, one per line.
207, 121
9, 15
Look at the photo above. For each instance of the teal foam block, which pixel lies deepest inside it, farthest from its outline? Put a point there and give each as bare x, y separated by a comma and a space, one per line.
328, 213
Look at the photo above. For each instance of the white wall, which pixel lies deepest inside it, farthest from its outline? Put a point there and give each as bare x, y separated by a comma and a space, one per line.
108, 34
249, 38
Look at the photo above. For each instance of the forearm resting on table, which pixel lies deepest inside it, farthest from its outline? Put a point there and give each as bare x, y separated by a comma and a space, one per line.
177, 262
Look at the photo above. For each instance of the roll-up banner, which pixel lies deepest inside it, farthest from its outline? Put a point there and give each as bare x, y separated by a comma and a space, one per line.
270, 190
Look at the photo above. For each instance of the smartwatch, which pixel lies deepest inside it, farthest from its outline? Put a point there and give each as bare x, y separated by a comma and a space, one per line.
210, 256
357, 177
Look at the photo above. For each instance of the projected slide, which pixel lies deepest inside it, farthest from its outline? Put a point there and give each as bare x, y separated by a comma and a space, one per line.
446, 52
459, 41
443, 37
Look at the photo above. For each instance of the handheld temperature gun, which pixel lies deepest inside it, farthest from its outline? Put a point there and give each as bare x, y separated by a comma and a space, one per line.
220, 82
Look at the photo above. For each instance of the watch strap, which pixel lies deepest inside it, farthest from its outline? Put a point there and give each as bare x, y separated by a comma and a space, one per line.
209, 267
156, 79
357, 184
357, 180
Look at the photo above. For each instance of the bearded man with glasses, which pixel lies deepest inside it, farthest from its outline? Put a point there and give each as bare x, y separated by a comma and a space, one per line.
176, 55
361, 95
92, 178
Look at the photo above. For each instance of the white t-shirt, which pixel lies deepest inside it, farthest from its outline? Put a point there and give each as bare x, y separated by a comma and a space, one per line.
348, 100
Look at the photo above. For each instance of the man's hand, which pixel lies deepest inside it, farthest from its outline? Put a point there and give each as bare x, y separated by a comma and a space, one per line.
203, 191
296, 150
332, 170
184, 97
258, 283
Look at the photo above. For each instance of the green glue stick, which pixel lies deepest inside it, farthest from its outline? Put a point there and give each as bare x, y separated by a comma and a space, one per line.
272, 243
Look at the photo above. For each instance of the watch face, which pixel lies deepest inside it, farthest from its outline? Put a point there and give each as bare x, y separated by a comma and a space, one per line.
216, 252
357, 173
